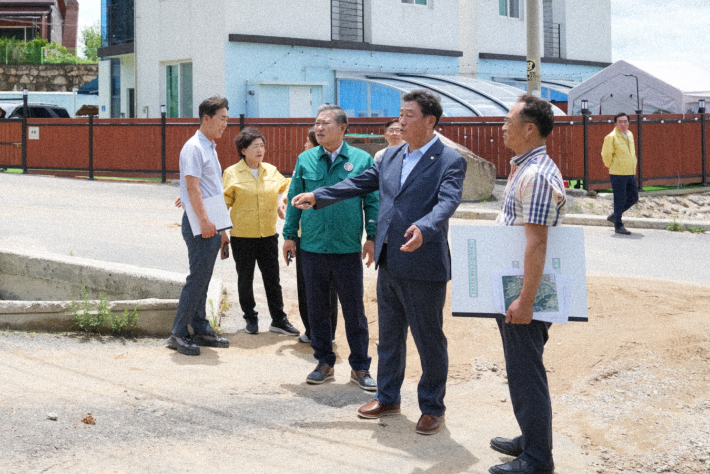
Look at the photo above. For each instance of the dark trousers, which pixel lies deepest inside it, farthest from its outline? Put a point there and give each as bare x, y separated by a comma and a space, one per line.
626, 194
303, 300
202, 254
419, 305
264, 251
523, 345
344, 271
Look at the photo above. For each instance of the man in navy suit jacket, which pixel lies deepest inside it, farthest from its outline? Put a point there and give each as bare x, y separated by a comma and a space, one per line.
420, 186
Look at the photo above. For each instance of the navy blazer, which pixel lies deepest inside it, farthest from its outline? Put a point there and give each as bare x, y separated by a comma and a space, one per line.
428, 198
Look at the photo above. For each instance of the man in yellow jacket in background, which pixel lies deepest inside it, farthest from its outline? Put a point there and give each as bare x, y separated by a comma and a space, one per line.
619, 156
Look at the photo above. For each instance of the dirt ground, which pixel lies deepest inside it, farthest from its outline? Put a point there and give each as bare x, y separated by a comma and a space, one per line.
694, 207
631, 387
629, 393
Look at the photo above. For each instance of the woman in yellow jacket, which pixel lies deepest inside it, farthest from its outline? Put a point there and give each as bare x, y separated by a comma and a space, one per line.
251, 191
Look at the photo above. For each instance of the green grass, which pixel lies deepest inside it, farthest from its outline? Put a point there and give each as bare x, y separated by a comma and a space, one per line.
13, 170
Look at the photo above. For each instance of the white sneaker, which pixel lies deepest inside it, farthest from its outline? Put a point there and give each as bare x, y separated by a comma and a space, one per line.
304, 338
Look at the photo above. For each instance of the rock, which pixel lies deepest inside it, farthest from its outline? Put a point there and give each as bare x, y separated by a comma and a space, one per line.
52, 416
684, 204
480, 174
698, 200
667, 211
675, 208
672, 200
657, 201
88, 419
60, 80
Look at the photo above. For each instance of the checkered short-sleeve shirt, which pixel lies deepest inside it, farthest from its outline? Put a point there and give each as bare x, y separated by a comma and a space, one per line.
535, 193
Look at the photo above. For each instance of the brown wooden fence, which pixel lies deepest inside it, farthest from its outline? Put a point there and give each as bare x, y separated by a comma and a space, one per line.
671, 145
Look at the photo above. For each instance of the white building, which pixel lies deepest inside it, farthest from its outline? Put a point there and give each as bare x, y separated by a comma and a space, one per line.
276, 58
575, 41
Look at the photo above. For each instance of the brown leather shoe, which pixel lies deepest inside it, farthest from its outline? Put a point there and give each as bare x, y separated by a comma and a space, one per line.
375, 409
430, 424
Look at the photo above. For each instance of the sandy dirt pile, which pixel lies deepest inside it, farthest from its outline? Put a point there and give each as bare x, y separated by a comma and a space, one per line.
688, 207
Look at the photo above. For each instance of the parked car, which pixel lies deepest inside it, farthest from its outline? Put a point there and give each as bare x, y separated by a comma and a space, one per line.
36, 110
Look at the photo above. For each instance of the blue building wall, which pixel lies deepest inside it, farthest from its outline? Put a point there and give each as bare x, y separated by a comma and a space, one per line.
246, 62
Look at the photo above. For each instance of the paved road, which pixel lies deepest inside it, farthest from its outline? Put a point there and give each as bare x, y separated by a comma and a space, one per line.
136, 223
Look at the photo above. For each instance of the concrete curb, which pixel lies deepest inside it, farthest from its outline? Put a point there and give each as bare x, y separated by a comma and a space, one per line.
38, 288
591, 220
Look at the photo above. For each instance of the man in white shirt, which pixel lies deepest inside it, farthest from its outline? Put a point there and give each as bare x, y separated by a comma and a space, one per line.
200, 179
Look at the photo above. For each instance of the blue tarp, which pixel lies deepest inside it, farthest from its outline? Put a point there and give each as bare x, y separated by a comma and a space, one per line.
90, 88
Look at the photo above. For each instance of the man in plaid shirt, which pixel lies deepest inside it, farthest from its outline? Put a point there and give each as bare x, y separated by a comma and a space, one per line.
535, 198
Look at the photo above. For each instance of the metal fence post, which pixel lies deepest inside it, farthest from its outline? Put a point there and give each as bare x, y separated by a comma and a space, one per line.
640, 155
585, 121
162, 145
91, 147
25, 111
702, 142
241, 122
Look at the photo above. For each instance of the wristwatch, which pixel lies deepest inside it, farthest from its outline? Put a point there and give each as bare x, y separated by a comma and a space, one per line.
371, 237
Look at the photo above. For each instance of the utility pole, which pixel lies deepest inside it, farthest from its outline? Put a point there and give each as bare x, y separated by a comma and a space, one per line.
532, 12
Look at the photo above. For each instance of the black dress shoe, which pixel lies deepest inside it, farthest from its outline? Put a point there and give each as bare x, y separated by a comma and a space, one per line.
511, 447
184, 345
210, 339
622, 230
518, 466
610, 218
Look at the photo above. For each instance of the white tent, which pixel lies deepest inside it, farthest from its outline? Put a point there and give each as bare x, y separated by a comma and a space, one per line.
663, 87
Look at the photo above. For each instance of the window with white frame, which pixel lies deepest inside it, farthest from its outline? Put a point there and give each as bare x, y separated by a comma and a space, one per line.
415, 2
178, 89
510, 8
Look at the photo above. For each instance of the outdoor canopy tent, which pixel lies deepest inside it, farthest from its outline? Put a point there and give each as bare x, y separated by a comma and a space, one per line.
663, 87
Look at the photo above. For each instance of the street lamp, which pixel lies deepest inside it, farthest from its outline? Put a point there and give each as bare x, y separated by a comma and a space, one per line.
585, 107
638, 103
163, 110
701, 106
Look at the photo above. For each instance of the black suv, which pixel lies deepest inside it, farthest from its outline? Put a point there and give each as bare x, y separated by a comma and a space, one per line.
36, 110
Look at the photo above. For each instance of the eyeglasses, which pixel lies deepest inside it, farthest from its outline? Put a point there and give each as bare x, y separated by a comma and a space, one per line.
394, 131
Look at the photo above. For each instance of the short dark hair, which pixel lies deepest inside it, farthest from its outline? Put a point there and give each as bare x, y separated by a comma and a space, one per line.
312, 136
429, 103
390, 122
211, 105
245, 138
620, 114
538, 112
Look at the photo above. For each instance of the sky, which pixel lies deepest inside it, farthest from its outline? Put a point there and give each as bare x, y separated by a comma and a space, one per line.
661, 30
645, 30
